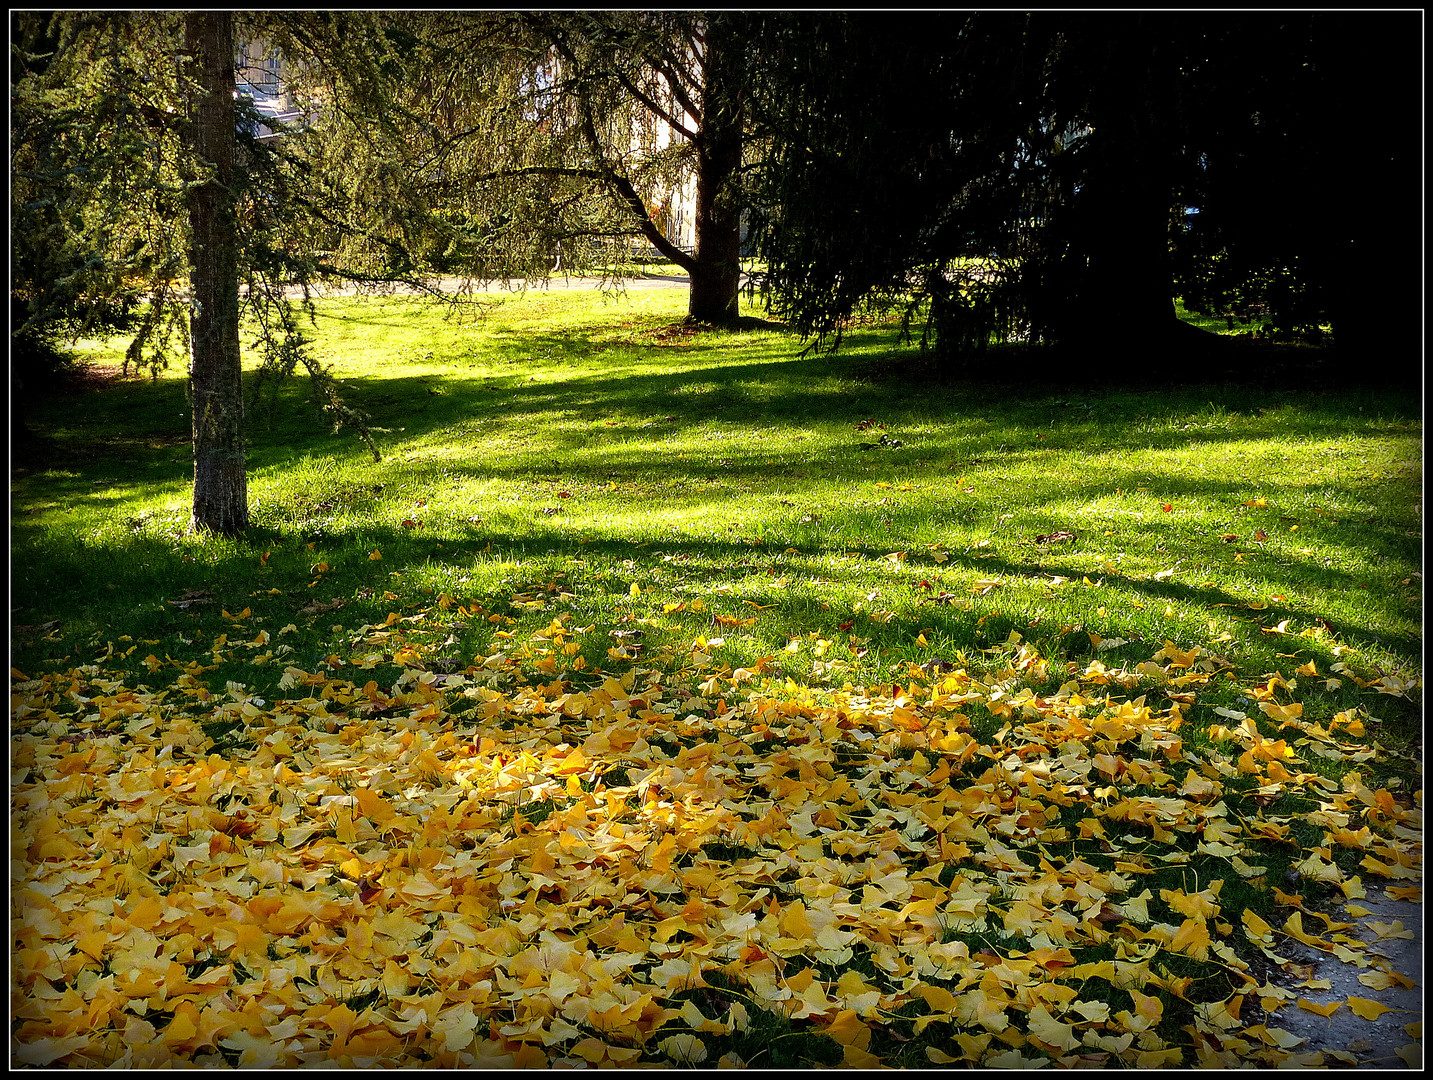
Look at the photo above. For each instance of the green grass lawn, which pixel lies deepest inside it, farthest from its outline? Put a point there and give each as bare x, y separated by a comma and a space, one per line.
584, 489
565, 433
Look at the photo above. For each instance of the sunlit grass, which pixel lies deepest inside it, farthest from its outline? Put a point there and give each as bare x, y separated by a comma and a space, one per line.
845, 527
776, 548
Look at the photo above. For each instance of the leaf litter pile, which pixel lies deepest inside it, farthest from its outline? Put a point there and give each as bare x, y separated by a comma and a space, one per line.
525, 863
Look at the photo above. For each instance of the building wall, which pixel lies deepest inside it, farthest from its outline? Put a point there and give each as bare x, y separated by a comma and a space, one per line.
259, 75
259, 69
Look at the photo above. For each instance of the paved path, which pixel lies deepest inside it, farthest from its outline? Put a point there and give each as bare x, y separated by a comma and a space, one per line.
557, 282
1383, 1043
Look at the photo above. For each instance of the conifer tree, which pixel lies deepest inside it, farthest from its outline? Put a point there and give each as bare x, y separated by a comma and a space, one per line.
507, 145
142, 201
1031, 177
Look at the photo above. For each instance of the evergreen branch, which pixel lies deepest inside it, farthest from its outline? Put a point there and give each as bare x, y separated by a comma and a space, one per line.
670, 67
633, 201
659, 111
284, 347
538, 170
620, 184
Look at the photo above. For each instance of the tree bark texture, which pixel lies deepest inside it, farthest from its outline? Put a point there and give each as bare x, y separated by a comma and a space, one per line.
1121, 288
716, 275
215, 388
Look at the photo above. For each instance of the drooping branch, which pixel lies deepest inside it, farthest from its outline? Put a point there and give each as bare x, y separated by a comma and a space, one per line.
628, 194
620, 184
657, 110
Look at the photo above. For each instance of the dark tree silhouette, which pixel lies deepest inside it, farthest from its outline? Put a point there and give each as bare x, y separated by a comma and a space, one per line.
1030, 177
216, 392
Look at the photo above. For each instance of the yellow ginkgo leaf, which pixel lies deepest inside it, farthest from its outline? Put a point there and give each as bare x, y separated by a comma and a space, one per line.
1294, 927
590, 1049
395, 979
857, 1058
975, 1007
1245, 869
684, 1048
1255, 926
1382, 980
1050, 1032
255, 1052
1385, 931
1319, 1010
1093, 1011
1192, 938
1197, 905
848, 1029
1166, 1058
1280, 713
1013, 1059
1148, 1011
1316, 868
1285, 1040
456, 1027
1367, 1007
937, 997
42, 1052
1198, 787
853, 992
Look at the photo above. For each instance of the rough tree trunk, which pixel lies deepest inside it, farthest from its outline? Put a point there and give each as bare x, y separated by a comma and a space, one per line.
215, 390
1126, 288
716, 274
1121, 314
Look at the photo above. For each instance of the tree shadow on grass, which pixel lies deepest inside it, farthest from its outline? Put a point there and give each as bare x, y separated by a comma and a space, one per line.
131, 593
149, 571
594, 426
145, 425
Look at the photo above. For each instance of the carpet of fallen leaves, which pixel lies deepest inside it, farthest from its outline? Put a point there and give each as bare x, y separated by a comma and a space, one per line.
487, 868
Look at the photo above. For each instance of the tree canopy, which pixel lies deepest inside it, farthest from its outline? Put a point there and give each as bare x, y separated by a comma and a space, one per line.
1049, 177
100, 173
502, 145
